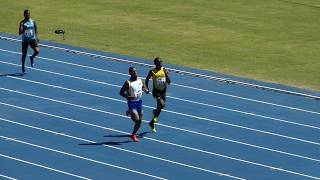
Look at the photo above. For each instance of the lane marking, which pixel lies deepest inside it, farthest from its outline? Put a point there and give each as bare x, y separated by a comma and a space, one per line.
206, 119
69, 154
89, 141
4, 176
39, 165
121, 149
179, 85
166, 110
152, 139
225, 80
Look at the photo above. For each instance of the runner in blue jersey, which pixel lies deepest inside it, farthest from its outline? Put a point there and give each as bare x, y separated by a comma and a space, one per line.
132, 91
28, 29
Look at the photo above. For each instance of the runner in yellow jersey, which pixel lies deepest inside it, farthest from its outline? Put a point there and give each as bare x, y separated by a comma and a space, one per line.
160, 78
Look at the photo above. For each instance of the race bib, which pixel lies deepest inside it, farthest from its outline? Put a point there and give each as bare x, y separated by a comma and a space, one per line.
28, 33
138, 94
161, 82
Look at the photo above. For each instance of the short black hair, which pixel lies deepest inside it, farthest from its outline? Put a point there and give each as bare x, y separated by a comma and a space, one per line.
131, 68
157, 59
25, 11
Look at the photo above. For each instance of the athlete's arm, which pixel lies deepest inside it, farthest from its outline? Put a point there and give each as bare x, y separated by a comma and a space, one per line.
124, 91
144, 88
147, 79
168, 80
21, 28
36, 30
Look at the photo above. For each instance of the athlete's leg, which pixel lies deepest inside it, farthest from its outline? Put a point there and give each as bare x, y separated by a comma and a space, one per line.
24, 54
137, 124
160, 106
34, 45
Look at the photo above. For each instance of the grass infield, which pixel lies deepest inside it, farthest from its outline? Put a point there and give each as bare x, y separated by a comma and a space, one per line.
274, 40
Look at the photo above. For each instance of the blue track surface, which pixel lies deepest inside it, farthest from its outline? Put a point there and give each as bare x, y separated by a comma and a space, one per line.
64, 119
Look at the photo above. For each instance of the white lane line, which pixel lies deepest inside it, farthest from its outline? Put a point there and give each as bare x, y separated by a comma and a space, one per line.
236, 159
39, 165
179, 85
7, 177
167, 110
70, 154
109, 146
156, 140
206, 119
226, 80
192, 132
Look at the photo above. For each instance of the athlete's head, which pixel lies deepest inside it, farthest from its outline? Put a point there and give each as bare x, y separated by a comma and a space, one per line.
26, 14
157, 62
133, 72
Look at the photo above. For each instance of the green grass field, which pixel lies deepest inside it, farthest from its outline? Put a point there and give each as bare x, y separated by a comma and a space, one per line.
269, 40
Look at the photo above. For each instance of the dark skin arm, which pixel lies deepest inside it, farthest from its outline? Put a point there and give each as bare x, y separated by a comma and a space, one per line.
168, 80
145, 88
21, 27
147, 79
36, 30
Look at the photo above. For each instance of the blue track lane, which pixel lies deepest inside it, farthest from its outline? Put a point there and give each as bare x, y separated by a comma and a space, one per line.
208, 130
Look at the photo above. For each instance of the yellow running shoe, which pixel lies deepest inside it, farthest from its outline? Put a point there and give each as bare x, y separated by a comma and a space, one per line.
152, 126
154, 119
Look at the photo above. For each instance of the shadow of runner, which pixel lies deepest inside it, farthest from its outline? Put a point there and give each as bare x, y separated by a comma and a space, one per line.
116, 143
111, 143
140, 135
12, 74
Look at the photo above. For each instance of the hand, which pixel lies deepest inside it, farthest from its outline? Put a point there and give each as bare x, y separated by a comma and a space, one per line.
38, 40
23, 27
130, 98
147, 91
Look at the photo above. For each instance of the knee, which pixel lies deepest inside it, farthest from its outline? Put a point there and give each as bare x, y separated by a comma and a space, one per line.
137, 121
37, 50
161, 103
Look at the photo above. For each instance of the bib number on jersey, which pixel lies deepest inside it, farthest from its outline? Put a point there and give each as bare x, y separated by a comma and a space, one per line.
28, 33
138, 94
161, 82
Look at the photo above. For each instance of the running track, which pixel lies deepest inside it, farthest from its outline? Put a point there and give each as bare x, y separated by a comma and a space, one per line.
64, 119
